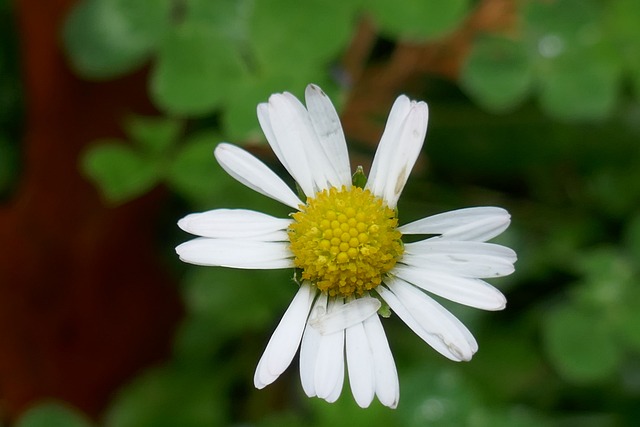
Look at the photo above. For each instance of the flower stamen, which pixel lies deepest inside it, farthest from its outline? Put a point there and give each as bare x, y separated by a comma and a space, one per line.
345, 240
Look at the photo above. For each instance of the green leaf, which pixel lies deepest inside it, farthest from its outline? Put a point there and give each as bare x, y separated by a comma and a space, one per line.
194, 172
196, 71
119, 172
168, 397
578, 67
154, 134
52, 414
288, 33
228, 17
498, 73
109, 38
418, 19
580, 86
581, 346
632, 237
571, 23
621, 19
628, 318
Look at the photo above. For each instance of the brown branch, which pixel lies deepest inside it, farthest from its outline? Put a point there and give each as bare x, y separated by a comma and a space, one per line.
376, 86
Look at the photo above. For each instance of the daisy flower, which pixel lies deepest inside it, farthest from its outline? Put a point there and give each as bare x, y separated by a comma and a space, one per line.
345, 244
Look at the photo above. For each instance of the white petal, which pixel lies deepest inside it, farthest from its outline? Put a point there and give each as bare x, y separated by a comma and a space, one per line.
344, 316
322, 168
469, 259
472, 292
284, 342
326, 123
247, 254
337, 389
360, 365
380, 166
429, 320
456, 248
475, 224
387, 385
293, 138
265, 123
330, 362
323, 173
236, 224
474, 266
309, 349
292, 156
254, 174
308, 357
398, 150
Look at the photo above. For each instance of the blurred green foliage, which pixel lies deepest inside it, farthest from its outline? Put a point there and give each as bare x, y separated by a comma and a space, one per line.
126, 172
576, 55
11, 108
417, 20
52, 414
544, 120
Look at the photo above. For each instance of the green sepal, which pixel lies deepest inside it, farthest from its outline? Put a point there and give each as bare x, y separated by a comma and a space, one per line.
297, 272
384, 310
359, 179
301, 194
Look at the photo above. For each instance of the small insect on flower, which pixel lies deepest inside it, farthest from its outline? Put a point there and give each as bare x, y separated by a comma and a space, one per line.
346, 246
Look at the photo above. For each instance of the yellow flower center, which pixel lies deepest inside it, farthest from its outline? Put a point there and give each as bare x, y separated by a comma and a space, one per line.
344, 241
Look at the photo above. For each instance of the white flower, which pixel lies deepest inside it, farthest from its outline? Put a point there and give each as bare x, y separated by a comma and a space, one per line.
346, 244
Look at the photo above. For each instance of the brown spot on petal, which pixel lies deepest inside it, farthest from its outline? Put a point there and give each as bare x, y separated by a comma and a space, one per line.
402, 178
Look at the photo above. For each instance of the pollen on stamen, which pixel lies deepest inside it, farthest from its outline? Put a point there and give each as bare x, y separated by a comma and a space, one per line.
345, 240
